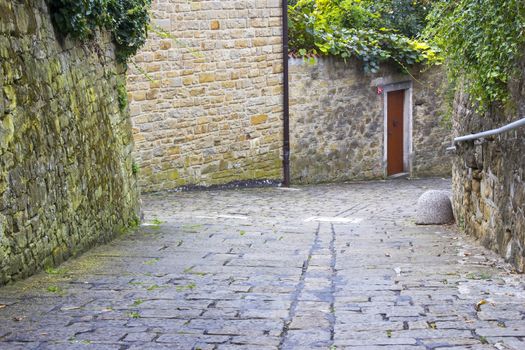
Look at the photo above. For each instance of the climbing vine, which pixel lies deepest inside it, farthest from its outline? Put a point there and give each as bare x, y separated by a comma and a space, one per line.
127, 20
372, 31
482, 41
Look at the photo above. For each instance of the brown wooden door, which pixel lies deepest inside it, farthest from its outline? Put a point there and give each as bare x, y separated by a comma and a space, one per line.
395, 135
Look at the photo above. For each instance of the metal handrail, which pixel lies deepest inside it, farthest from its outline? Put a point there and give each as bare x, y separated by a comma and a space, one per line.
484, 134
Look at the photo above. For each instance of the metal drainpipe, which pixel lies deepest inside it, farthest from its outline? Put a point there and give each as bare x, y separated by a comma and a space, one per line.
286, 100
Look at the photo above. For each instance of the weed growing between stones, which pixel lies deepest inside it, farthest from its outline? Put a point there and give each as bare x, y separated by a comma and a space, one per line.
483, 340
151, 261
190, 271
190, 286
56, 290
133, 283
135, 168
156, 222
132, 225
133, 314
138, 302
55, 271
153, 287
122, 95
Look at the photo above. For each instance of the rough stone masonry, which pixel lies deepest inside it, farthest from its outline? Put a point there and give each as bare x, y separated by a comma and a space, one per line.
206, 94
337, 121
66, 178
489, 178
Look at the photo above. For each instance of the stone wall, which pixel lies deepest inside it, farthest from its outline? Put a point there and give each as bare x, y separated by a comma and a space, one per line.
337, 121
489, 177
65, 147
206, 94
432, 127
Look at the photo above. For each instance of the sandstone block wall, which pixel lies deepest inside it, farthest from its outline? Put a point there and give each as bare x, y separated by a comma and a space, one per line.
66, 178
206, 94
489, 177
337, 121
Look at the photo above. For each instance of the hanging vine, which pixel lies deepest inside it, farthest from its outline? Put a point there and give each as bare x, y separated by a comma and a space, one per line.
127, 20
482, 40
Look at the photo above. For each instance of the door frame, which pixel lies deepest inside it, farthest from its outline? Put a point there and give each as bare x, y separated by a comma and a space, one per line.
407, 125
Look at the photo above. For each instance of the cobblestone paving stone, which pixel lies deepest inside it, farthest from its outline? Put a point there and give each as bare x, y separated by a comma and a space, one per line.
328, 267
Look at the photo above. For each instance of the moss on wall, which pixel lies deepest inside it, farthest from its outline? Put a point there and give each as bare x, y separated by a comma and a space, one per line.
66, 179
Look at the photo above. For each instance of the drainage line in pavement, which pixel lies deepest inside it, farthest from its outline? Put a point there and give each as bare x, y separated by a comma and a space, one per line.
298, 289
332, 286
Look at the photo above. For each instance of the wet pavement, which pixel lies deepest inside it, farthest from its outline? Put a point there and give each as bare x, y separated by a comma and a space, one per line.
327, 267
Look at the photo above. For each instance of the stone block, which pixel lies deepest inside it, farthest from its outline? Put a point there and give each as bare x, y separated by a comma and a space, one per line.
215, 25
206, 78
259, 119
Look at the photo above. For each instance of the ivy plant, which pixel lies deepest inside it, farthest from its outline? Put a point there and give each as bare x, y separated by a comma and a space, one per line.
482, 40
127, 20
363, 29
408, 17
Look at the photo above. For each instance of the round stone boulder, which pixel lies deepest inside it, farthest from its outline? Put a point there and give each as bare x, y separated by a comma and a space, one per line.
434, 208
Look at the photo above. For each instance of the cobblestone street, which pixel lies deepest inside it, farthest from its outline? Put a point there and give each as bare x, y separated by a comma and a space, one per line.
329, 267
